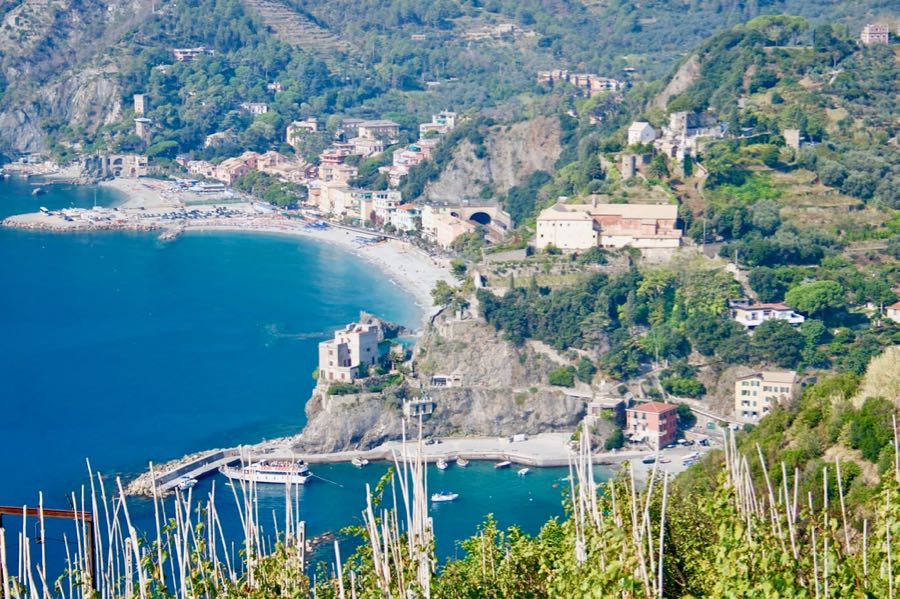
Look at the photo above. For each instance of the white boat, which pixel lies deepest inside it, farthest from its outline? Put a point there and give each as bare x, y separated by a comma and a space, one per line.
359, 462
442, 464
186, 482
278, 472
523, 471
444, 496
691, 456
505, 464
462, 462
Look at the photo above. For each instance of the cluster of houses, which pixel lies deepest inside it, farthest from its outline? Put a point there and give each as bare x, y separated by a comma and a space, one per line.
294, 170
683, 136
587, 84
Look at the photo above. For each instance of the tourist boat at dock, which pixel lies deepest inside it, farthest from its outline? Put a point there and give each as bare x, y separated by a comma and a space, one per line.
523, 471
359, 462
442, 464
444, 496
500, 465
461, 462
280, 472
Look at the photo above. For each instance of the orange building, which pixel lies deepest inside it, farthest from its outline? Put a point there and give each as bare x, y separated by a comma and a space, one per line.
654, 422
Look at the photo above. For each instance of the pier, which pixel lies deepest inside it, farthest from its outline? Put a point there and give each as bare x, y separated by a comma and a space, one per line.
196, 467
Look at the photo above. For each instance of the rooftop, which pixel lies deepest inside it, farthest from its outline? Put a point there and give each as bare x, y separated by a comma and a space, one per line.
788, 377
654, 407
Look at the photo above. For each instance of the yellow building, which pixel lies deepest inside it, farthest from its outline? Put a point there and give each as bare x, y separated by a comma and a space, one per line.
756, 394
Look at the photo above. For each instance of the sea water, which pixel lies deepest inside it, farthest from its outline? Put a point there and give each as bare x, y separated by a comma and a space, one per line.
121, 348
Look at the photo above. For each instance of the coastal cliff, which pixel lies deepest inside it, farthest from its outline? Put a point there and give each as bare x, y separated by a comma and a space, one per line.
467, 379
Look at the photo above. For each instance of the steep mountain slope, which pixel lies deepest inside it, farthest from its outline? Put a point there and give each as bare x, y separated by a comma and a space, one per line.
415, 54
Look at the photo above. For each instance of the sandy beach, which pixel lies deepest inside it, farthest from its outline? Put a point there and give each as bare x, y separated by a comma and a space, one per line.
146, 202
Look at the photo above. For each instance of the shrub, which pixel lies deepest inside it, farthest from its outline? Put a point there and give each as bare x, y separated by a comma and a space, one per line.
615, 440
342, 389
564, 376
683, 387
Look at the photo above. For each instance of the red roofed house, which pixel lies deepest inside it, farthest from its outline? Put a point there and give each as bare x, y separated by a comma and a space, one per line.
654, 422
893, 311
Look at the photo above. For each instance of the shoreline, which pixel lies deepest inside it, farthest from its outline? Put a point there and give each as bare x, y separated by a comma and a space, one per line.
403, 264
544, 450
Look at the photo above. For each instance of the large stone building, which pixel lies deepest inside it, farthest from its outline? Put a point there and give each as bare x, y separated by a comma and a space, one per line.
875, 33
583, 226
654, 423
353, 346
756, 394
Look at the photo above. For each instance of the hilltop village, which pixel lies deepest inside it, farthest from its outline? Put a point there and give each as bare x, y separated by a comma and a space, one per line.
660, 286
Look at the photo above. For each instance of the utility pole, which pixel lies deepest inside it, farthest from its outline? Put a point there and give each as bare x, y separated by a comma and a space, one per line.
74, 515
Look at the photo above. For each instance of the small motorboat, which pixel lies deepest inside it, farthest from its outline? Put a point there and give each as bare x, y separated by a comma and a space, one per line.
186, 482
442, 464
359, 462
444, 496
500, 465
650, 459
664, 460
461, 462
523, 471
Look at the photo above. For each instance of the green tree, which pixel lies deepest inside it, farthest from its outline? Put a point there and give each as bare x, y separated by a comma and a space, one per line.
816, 298
564, 376
686, 417
776, 342
585, 370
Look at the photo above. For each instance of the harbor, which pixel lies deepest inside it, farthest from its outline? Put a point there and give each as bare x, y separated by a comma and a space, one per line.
545, 450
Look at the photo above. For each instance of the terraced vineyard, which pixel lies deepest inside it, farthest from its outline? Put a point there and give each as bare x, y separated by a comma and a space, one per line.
296, 29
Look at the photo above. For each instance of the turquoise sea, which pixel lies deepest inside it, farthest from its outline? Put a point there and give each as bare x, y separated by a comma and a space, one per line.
123, 349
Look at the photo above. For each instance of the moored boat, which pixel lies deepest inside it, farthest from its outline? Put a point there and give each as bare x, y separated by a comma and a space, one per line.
505, 464
270, 471
442, 464
359, 462
186, 482
444, 496
461, 462
523, 471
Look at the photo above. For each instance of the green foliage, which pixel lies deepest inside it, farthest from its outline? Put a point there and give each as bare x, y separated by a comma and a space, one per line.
564, 376
339, 388
778, 343
615, 440
686, 418
871, 428
816, 298
683, 386
585, 370
270, 189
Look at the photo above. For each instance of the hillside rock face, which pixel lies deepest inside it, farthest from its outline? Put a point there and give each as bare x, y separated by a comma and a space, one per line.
50, 57
496, 389
683, 78
512, 152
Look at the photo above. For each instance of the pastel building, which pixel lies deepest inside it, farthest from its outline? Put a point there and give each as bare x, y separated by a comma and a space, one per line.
641, 132
751, 315
654, 423
583, 226
442, 122
893, 312
756, 394
340, 358
875, 33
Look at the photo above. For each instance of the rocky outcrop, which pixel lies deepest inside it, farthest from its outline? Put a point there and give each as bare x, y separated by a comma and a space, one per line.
683, 78
57, 58
510, 153
493, 389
